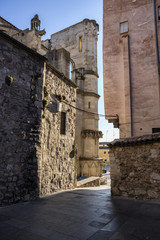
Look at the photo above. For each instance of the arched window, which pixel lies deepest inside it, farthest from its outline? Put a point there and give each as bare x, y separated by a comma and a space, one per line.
70, 70
80, 43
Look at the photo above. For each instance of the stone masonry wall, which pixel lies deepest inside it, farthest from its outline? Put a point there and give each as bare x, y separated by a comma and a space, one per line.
135, 167
81, 42
35, 159
20, 114
57, 165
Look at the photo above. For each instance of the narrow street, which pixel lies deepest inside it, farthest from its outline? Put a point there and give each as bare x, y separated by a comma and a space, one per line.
88, 213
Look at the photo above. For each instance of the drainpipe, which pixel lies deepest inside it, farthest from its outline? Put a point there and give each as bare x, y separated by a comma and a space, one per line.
157, 46
130, 81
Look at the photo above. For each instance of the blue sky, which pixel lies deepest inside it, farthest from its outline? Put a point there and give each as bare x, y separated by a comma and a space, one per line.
56, 15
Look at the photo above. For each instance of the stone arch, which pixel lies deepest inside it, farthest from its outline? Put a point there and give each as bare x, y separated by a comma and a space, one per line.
72, 70
93, 170
85, 169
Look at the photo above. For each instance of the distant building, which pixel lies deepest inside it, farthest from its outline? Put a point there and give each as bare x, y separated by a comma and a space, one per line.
48, 109
103, 152
131, 56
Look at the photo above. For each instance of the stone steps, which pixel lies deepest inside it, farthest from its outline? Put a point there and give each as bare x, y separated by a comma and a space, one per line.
92, 182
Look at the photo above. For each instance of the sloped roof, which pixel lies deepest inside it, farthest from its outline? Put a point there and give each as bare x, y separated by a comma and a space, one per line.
8, 24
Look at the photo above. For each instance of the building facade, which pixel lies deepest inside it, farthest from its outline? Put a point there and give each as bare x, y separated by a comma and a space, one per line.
104, 152
131, 65
80, 40
49, 112
37, 138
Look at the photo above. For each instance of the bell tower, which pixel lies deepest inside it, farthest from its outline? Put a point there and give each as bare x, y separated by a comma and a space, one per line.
35, 23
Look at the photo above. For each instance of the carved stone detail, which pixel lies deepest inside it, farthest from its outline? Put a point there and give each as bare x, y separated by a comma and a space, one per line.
91, 134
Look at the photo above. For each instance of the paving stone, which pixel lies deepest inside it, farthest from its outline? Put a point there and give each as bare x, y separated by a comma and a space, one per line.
60, 218
101, 235
97, 224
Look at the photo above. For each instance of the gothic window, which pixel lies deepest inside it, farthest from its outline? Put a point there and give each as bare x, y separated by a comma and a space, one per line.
80, 44
63, 123
124, 27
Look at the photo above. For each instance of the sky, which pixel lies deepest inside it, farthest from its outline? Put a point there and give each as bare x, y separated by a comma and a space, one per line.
56, 15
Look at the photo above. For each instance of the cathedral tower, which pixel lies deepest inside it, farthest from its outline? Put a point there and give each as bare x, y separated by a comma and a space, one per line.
80, 40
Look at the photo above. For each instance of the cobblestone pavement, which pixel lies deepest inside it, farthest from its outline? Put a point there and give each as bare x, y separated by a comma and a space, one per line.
89, 213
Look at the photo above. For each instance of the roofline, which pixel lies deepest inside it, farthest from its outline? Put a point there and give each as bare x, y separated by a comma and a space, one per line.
10, 23
32, 52
145, 139
21, 45
86, 19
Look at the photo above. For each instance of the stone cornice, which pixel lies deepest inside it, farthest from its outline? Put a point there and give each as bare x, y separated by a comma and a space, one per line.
81, 92
91, 133
135, 140
91, 72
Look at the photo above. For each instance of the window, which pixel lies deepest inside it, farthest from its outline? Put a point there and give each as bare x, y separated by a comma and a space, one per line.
80, 44
155, 130
70, 71
63, 123
158, 12
89, 105
124, 27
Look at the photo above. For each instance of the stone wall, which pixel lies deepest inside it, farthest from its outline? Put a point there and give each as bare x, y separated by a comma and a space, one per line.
35, 159
57, 167
135, 167
20, 118
60, 59
30, 38
69, 39
80, 40
91, 167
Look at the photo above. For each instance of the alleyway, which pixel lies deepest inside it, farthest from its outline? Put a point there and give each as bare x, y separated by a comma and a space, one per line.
81, 214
